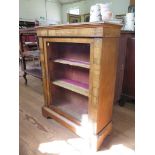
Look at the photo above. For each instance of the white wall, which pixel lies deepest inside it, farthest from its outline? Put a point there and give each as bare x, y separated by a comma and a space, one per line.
54, 9
117, 7
34, 9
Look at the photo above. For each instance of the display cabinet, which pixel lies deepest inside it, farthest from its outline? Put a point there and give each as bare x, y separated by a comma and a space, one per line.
79, 71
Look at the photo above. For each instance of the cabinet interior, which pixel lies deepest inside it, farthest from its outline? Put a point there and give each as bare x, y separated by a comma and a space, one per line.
69, 65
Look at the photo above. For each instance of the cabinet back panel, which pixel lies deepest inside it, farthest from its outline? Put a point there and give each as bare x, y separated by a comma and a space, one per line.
74, 104
73, 51
69, 72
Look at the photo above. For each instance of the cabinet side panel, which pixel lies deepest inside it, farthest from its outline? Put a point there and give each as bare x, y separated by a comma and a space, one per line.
107, 81
95, 61
42, 60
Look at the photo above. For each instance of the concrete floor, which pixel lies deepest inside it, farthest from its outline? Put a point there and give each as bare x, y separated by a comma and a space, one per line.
41, 136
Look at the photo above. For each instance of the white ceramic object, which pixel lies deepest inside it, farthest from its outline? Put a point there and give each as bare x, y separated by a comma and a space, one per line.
95, 13
129, 22
107, 15
100, 12
105, 11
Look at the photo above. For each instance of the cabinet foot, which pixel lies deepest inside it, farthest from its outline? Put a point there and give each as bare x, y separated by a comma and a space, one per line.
94, 140
45, 114
125, 99
97, 140
122, 101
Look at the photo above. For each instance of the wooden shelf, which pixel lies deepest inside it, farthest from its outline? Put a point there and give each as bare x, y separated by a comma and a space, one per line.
72, 85
36, 72
73, 63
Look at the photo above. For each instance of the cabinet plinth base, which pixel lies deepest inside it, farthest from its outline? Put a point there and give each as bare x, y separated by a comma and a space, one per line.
94, 140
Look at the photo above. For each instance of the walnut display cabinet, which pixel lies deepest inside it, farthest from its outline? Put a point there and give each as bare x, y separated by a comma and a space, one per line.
79, 70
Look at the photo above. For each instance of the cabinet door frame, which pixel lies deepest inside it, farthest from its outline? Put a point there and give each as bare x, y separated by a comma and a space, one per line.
46, 62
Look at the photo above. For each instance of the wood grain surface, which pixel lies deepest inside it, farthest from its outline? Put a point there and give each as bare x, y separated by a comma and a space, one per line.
96, 43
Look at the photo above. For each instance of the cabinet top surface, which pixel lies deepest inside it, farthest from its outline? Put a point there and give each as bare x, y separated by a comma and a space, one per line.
81, 25
96, 29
